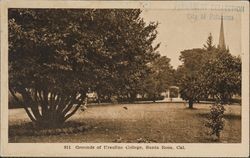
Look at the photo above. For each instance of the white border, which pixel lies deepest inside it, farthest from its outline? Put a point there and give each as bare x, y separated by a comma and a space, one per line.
56, 149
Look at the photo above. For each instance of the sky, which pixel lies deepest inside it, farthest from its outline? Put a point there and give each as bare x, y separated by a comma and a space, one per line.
180, 30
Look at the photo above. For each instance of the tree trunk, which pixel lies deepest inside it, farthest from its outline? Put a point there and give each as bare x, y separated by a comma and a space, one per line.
190, 104
48, 112
99, 96
132, 97
154, 98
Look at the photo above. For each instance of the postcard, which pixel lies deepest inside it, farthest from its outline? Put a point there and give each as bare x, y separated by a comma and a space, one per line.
124, 78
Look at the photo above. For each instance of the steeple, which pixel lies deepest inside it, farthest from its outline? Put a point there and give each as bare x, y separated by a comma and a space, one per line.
222, 44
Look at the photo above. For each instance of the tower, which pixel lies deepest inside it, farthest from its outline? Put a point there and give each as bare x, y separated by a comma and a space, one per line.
222, 44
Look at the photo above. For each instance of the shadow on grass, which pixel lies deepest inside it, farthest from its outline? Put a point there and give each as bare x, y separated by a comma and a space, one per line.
232, 117
29, 129
69, 127
226, 116
133, 103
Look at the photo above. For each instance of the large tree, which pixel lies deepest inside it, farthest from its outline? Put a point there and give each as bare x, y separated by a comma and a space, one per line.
209, 72
132, 49
221, 76
159, 79
57, 55
188, 75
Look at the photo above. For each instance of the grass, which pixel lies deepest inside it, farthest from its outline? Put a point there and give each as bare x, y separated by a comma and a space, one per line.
140, 123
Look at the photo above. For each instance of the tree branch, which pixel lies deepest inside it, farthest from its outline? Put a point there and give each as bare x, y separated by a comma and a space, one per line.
24, 106
33, 106
73, 112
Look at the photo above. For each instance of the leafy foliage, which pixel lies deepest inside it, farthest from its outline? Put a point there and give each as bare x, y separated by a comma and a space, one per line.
57, 55
209, 72
216, 120
222, 76
189, 75
209, 43
159, 78
191, 89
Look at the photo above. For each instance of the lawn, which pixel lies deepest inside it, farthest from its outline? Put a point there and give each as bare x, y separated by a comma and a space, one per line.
140, 123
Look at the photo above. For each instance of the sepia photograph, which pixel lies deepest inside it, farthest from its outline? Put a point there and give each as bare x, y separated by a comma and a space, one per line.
130, 75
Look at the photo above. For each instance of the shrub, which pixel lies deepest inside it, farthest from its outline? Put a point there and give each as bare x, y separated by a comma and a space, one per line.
215, 120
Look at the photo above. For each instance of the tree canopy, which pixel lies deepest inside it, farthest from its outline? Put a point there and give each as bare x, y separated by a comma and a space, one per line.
160, 77
209, 72
221, 76
57, 55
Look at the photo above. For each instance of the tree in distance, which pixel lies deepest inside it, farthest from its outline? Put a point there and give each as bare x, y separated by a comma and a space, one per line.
209, 72
209, 46
159, 79
188, 75
221, 76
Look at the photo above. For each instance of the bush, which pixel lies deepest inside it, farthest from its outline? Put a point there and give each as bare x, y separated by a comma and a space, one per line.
215, 120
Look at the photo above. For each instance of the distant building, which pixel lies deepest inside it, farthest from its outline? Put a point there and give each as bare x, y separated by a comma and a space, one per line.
222, 43
170, 97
